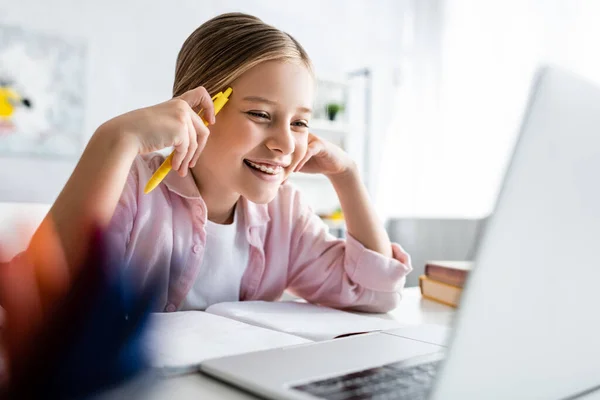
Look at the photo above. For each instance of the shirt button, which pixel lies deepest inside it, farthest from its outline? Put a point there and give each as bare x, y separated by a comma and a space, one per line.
171, 308
197, 248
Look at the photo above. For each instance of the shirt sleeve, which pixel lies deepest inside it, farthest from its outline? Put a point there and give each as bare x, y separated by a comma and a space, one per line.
121, 225
342, 273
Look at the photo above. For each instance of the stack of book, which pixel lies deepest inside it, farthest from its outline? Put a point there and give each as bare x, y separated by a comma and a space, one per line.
444, 281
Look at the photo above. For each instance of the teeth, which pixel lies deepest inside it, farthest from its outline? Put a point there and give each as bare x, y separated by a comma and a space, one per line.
268, 170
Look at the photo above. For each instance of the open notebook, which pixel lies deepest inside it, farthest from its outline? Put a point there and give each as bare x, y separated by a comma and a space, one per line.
180, 341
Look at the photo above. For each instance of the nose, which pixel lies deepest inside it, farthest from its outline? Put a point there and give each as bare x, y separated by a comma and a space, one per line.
281, 140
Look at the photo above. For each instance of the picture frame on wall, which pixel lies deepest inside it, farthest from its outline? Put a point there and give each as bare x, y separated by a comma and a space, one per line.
42, 94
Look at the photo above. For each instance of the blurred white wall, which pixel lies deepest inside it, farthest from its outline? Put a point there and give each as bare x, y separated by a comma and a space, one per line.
132, 46
468, 68
450, 79
490, 53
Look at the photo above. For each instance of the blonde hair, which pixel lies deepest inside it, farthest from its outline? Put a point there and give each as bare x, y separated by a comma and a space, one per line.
226, 46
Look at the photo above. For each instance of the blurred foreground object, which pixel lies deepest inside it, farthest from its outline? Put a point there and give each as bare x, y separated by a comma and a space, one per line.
70, 332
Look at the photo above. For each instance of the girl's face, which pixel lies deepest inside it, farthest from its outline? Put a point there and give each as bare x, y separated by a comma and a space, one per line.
261, 134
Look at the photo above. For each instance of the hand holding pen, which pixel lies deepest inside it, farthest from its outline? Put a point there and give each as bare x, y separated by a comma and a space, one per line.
219, 101
173, 123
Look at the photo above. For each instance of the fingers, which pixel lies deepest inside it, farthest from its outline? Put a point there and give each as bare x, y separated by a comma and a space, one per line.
199, 98
312, 149
196, 156
189, 147
191, 150
196, 136
201, 132
180, 150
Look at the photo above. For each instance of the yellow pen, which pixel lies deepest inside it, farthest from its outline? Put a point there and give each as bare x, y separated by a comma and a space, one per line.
219, 101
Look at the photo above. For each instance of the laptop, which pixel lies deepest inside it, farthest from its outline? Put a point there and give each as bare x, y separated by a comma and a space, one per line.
528, 326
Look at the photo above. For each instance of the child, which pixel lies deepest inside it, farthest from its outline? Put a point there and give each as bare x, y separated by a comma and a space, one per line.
223, 226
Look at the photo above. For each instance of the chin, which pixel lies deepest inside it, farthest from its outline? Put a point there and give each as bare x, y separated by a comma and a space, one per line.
260, 197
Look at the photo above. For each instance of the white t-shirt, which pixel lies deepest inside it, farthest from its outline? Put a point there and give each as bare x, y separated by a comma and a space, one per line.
223, 265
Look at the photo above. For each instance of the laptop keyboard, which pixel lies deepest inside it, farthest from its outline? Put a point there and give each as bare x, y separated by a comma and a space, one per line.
388, 382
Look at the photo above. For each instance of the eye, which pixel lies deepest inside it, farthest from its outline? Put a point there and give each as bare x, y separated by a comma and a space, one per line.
302, 124
258, 114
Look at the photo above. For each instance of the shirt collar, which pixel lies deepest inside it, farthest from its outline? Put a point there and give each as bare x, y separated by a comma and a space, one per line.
254, 214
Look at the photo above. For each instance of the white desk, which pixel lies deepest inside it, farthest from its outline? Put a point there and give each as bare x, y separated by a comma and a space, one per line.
413, 310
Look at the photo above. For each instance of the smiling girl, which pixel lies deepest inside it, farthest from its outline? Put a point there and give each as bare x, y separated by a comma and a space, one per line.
227, 226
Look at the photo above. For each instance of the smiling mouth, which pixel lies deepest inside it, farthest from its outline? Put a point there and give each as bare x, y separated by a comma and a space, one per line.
269, 170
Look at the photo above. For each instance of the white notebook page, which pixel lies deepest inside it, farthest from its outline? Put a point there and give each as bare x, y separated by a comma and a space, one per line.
179, 341
306, 320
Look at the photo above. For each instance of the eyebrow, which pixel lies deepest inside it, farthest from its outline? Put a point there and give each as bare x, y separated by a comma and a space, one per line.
258, 99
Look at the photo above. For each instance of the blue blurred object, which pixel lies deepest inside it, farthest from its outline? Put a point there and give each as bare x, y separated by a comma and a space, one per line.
94, 339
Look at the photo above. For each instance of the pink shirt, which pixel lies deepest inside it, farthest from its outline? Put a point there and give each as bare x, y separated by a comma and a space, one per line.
290, 247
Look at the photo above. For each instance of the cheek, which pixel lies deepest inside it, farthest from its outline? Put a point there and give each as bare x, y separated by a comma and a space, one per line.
234, 139
300, 151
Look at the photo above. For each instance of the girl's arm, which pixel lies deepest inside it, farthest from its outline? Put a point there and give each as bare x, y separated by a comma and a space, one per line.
90, 196
361, 220
341, 273
365, 271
